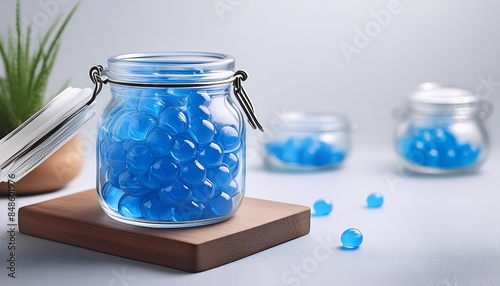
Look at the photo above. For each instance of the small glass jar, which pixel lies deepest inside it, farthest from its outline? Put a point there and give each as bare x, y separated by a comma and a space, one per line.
305, 142
442, 131
171, 142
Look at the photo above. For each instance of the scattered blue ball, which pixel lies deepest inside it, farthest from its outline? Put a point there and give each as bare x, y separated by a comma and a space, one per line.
323, 207
351, 238
375, 200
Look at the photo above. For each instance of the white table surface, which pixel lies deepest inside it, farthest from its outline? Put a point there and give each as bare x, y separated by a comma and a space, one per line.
430, 231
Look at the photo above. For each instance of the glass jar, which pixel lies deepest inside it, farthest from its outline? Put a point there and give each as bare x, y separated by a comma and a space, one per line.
442, 131
171, 142
305, 142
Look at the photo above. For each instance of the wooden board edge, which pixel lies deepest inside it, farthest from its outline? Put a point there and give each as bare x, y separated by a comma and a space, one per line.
291, 227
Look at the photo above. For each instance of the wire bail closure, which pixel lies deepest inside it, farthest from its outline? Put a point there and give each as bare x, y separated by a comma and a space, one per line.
241, 95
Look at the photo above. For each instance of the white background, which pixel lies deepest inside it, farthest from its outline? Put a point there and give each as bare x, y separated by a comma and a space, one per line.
432, 231
291, 49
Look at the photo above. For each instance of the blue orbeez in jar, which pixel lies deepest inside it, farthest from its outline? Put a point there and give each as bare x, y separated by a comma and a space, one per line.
307, 142
443, 131
171, 142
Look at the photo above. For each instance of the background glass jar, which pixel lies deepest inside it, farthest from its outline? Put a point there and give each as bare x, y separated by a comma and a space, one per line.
170, 156
301, 142
442, 132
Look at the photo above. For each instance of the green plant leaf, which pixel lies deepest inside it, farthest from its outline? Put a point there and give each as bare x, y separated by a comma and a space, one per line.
27, 71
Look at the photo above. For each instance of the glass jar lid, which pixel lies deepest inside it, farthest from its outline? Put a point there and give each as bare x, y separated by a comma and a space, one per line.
432, 98
45, 132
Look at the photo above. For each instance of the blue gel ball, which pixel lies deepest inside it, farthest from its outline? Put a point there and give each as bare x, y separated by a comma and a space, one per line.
220, 177
448, 158
323, 155
289, 149
139, 159
351, 238
198, 98
202, 131
204, 192
274, 148
323, 207
210, 156
128, 144
131, 101
129, 183
228, 138
116, 156
148, 181
114, 175
108, 122
221, 205
442, 137
232, 161
112, 196
306, 151
418, 149
159, 142
176, 97
103, 147
188, 211
183, 150
165, 169
152, 106
173, 121
232, 189
468, 154
175, 194
432, 158
153, 209
375, 200
130, 206
199, 112
193, 173
133, 126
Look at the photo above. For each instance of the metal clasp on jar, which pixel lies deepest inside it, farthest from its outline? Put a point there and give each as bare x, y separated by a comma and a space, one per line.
241, 95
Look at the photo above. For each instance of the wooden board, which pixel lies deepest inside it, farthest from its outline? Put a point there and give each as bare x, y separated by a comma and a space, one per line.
79, 220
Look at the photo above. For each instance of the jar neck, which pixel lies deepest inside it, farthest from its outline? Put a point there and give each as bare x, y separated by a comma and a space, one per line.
301, 122
464, 111
170, 67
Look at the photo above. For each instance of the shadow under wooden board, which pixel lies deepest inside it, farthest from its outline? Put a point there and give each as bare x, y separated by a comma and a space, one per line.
79, 220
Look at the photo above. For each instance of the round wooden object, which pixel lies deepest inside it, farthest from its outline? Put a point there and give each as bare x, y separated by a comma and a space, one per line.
53, 174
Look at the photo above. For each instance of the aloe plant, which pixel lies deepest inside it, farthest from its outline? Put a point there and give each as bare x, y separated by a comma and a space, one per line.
26, 70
